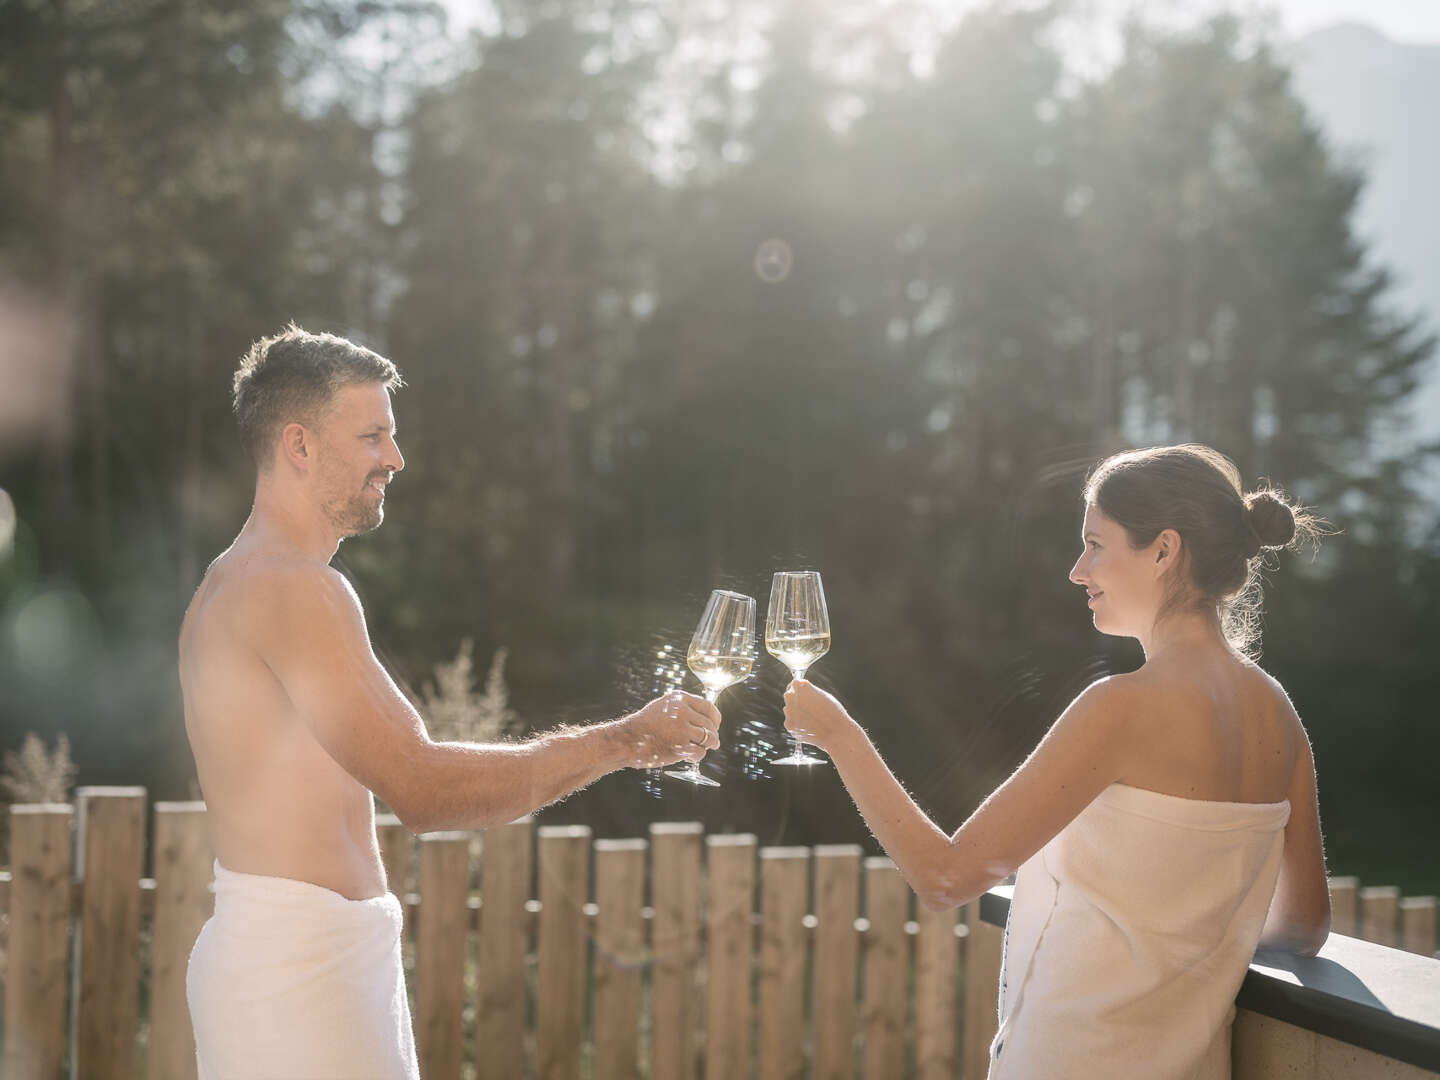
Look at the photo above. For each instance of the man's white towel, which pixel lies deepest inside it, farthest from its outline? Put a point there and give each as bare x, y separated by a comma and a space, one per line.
1129, 935
291, 981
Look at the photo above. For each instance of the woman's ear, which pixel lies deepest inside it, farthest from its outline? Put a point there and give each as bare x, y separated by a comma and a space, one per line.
1166, 550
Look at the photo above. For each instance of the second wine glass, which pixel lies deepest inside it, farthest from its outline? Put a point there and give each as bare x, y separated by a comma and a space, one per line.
721, 653
797, 633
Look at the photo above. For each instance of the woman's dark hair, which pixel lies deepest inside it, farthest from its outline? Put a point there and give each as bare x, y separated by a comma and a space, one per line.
1224, 531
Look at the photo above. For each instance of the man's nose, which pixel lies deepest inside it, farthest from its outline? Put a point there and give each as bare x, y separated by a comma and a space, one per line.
397, 459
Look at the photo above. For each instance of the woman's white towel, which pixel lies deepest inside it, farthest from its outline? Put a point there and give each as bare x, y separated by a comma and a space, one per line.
1129, 935
291, 981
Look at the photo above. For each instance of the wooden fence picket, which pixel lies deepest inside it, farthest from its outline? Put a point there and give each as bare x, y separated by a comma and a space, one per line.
729, 954
564, 857
111, 848
1417, 914
506, 862
937, 965
184, 869
1380, 915
837, 948
441, 943
675, 947
784, 903
619, 956
36, 977
883, 1016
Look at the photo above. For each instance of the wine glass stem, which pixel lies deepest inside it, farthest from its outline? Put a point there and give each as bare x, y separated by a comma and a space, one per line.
795, 740
710, 696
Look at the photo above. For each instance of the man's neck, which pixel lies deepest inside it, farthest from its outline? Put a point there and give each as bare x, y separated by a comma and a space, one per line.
277, 518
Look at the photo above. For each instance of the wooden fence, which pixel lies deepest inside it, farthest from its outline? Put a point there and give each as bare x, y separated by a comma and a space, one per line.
612, 958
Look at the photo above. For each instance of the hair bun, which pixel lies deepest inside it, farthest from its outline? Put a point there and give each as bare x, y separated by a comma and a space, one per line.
1271, 520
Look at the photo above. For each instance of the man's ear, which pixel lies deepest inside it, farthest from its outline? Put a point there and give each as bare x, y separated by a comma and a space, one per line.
1167, 547
295, 446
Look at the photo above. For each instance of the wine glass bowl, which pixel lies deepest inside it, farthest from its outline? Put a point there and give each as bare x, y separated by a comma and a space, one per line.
797, 633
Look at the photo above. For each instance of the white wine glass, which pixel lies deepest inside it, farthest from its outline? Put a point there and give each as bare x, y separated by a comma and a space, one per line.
797, 633
721, 654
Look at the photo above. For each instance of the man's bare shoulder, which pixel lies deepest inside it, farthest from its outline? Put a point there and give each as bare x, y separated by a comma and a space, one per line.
258, 594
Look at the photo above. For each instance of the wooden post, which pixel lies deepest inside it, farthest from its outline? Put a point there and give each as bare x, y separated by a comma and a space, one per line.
35, 977
984, 950
675, 947
111, 847
440, 949
1418, 915
619, 956
1379, 914
784, 902
834, 975
506, 861
937, 955
184, 867
564, 852
729, 926
887, 900
1343, 906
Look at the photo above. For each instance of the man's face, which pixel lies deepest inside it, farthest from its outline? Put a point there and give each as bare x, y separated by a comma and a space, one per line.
358, 456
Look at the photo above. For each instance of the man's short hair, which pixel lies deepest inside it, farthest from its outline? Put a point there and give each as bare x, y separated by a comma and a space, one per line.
291, 377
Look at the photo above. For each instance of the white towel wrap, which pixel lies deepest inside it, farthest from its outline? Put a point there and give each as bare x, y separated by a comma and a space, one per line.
292, 981
1129, 935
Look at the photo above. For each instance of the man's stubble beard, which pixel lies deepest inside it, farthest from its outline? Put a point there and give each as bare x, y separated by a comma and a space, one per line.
352, 515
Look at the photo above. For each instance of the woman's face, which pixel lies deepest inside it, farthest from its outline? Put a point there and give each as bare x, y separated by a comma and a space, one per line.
1125, 585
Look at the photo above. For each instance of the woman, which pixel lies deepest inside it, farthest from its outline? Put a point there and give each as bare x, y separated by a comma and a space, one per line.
1165, 825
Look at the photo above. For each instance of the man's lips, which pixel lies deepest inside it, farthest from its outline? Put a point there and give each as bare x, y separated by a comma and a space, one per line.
1093, 596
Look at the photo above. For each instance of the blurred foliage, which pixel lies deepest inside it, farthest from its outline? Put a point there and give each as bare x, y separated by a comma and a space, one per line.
686, 294
455, 712
37, 775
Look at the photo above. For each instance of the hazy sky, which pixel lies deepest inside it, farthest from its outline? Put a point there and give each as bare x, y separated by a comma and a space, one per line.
1410, 21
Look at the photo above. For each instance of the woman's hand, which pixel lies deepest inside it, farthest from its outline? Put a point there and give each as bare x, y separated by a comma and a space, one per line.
815, 717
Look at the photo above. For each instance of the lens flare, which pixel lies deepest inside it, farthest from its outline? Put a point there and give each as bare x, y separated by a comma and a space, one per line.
773, 261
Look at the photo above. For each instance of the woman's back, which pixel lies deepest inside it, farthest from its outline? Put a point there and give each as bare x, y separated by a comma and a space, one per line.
1211, 725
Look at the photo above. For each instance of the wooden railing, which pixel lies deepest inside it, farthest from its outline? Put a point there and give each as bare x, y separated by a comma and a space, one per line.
606, 958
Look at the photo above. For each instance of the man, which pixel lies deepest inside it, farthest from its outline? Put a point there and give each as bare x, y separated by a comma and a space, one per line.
294, 723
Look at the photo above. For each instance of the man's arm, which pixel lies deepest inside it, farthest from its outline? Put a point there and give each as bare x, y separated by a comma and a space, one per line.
313, 637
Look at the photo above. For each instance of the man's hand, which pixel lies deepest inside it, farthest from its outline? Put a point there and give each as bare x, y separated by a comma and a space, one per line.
675, 727
815, 717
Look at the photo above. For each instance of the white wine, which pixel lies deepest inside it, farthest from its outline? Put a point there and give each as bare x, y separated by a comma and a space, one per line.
798, 651
717, 671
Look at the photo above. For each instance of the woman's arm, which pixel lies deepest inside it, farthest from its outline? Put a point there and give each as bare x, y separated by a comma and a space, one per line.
1299, 918
1079, 757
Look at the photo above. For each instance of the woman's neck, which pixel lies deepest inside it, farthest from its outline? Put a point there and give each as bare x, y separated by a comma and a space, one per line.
1190, 630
